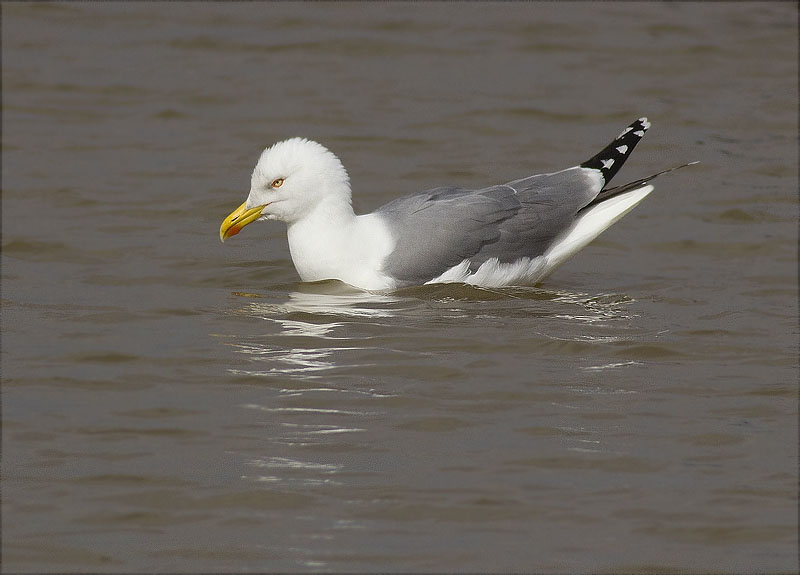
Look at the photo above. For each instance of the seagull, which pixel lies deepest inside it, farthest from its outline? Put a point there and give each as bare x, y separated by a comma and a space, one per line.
510, 234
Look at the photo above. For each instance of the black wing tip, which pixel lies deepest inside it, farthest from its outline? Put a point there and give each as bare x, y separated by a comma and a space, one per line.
609, 161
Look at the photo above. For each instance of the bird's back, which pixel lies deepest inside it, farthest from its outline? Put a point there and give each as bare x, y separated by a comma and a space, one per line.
440, 228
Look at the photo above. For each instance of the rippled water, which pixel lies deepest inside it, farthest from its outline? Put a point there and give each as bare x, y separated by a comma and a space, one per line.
171, 404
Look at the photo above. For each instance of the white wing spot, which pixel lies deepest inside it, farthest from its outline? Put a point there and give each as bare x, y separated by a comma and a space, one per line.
645, 123
625, 131
640, 133
607, 163
622, 149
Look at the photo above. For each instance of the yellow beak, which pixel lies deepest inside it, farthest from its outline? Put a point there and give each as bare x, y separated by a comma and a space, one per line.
238, 219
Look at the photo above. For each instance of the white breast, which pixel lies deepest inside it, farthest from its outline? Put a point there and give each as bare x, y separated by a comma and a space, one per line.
351, 251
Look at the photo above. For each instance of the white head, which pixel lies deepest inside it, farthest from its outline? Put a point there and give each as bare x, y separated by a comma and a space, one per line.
294, 176
291, 179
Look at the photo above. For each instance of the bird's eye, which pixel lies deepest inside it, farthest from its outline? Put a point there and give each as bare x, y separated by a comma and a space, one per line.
277, 182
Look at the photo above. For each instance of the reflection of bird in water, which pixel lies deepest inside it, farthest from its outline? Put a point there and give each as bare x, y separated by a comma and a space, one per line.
510, 234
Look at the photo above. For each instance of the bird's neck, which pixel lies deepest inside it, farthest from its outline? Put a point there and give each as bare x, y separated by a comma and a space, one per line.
318, 240
333, 243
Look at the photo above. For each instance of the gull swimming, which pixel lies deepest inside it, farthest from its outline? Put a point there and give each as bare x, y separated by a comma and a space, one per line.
505, 235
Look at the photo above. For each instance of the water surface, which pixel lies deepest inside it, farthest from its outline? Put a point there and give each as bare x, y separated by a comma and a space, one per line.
172, 404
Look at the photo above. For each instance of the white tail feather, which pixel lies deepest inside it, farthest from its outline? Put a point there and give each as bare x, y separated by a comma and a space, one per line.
591, 224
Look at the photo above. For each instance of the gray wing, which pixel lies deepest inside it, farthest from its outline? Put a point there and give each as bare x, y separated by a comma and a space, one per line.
439, 228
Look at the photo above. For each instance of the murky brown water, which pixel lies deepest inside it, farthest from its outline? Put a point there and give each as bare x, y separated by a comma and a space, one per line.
171, 404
